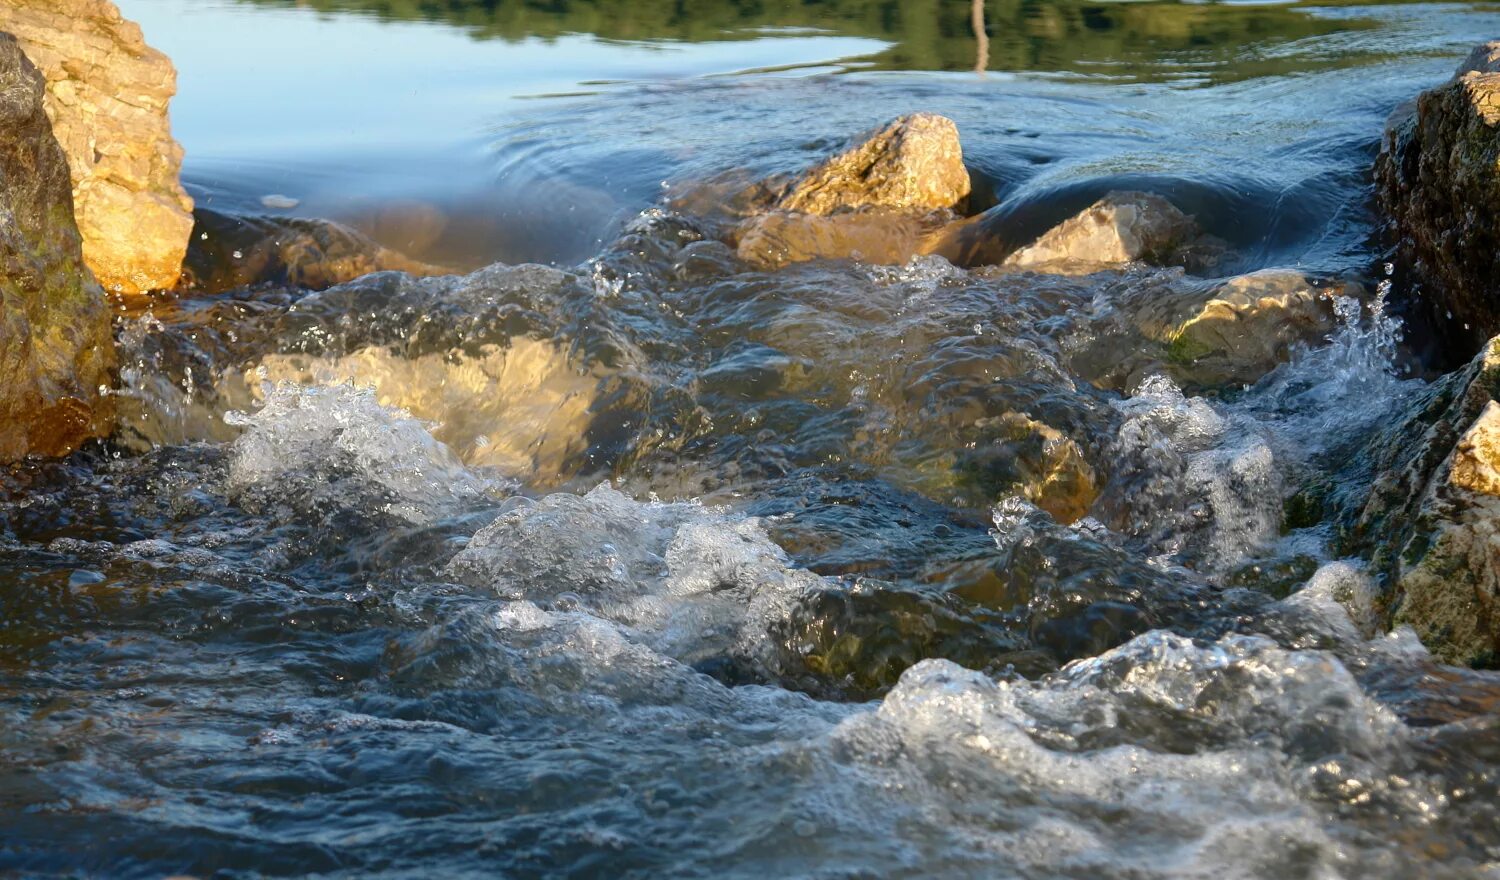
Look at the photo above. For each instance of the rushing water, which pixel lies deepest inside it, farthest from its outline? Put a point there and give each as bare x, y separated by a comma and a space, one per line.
648, 563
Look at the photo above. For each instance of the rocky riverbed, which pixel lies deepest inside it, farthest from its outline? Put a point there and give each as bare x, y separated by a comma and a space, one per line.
857, 511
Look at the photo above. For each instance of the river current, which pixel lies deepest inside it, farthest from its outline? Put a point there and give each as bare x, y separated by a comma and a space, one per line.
625, 558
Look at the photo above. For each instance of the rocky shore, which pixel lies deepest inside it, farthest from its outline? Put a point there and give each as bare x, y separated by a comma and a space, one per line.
91, 207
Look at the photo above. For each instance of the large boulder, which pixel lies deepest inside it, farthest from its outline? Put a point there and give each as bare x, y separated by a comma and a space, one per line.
56, 351
1432, 517
107, 94
914, 163
1438, 177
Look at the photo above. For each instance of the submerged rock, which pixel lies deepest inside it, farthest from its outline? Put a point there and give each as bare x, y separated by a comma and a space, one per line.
55, 347
1433, 516
914, 163
883, 237
1250, 326
1438, 177
107, 95
228, 252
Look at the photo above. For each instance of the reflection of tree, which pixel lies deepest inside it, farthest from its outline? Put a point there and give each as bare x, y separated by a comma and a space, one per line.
1131, 40
981, 39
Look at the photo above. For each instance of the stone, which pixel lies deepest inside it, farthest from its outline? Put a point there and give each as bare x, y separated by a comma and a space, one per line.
1250, 326
1122, 227
1431, 520
914, 163
107, 95
56, 351
228, 252
882, 237
1438, 180
1026, 457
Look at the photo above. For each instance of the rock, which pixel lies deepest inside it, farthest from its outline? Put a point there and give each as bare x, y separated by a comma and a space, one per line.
227, 252
107, 94
1118, 229
1022, 456
778, 238
1250, 326
1122, 227
56, 351
1432, 517
1438, 179
876, 202
914, 163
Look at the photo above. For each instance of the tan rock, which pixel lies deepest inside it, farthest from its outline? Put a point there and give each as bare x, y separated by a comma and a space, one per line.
1026, 457
1122, 227
1438, 178
1250, 325
1476, 458
1432, 517
107, 94
56, 351
883, 237
913, 164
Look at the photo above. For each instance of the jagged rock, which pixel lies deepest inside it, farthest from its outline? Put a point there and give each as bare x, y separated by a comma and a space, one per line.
913, 164
227, 252
1438, 177
778, 238
1250, 326
1432, 518
55, 346
107, 94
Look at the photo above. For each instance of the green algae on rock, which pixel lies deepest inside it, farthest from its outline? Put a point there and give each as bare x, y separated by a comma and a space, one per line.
56, 353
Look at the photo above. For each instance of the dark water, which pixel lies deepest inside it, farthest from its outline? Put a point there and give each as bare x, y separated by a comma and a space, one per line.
674, 567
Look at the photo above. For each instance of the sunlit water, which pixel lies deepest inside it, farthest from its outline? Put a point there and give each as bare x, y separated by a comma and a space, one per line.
647, 563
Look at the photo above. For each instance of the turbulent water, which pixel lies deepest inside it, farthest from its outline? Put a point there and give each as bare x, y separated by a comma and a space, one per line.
663, 565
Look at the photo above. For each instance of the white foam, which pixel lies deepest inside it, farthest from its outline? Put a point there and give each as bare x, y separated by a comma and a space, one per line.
692, 582
336, 445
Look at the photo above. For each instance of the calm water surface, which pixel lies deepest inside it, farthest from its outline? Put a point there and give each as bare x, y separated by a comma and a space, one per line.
641, 562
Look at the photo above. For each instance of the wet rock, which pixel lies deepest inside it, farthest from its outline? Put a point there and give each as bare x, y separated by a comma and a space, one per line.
1438, 177
227, 252
1250, 326
1025, 457
1432, 518
882, 237
55, 345
1119, 229
107, 94
914, 163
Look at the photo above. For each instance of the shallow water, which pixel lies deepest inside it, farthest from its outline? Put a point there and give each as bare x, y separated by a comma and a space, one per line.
650, 563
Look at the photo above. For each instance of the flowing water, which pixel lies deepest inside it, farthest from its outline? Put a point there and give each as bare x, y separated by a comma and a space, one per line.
634, 560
